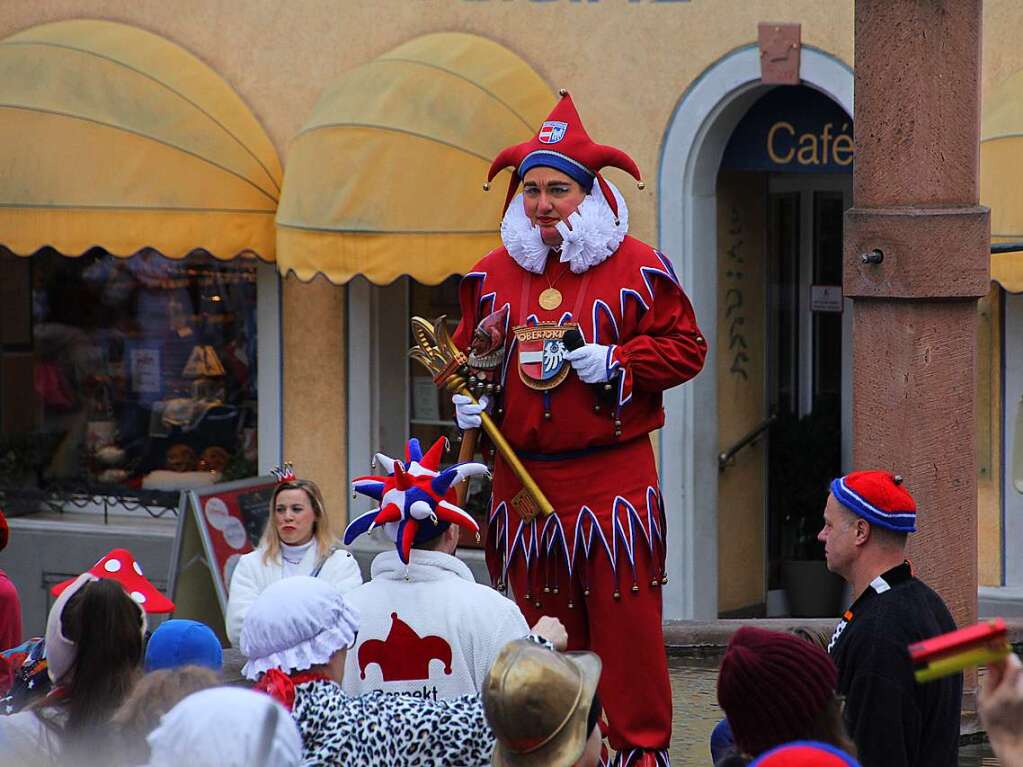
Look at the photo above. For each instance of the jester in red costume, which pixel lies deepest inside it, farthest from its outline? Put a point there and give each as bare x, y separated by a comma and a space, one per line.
595, 327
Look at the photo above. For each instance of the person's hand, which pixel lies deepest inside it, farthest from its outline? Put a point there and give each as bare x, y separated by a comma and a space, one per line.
467, 412
1000, 705
590, 362
553, 631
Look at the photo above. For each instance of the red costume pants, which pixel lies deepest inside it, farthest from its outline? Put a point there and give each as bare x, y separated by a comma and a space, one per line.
597, 564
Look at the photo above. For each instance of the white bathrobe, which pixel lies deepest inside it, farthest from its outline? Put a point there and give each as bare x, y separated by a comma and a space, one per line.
427, 629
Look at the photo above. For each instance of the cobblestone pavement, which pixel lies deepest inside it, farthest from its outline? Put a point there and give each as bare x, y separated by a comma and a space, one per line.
694, 698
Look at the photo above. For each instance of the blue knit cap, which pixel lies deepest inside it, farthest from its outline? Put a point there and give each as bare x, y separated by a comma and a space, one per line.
181, 642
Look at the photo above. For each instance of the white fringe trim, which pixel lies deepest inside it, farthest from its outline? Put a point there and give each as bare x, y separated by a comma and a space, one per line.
593, 236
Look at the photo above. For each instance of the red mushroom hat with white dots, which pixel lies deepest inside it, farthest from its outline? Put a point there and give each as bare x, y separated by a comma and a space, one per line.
119, 565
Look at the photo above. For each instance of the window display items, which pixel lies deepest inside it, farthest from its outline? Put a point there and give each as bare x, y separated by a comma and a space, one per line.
140, 372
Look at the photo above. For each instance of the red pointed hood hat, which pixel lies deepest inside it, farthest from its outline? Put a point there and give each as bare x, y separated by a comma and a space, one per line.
119, 565
562, 143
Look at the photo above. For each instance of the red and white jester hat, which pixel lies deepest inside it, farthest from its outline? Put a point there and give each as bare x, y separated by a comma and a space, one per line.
416, 496
562, 143
119, 565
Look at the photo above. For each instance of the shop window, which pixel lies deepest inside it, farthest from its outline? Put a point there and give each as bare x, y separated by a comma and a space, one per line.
120, 374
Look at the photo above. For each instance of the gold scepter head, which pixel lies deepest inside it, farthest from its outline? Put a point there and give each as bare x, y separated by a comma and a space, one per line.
437, 352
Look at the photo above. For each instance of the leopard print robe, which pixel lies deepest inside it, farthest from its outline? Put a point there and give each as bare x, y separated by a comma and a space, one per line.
396, 730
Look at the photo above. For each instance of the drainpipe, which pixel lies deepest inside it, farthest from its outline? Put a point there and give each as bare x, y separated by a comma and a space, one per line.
916, 260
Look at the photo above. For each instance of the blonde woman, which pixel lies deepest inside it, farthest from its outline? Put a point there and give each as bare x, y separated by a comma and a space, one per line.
298, 540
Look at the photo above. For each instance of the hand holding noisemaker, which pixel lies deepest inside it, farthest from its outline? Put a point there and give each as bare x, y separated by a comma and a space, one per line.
950, 653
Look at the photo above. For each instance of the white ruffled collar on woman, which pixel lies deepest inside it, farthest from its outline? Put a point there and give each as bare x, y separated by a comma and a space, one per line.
591, 240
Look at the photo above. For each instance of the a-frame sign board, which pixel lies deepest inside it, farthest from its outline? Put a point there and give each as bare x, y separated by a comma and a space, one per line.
216, 526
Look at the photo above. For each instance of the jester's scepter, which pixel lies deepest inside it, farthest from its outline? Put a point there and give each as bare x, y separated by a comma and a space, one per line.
436, 352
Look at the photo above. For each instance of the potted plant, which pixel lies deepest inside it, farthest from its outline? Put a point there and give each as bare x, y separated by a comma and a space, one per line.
806, 456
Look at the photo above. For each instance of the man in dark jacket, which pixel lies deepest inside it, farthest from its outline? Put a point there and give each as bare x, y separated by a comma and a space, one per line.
894, 721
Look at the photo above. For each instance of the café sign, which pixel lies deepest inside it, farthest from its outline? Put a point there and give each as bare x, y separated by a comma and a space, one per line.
792, 129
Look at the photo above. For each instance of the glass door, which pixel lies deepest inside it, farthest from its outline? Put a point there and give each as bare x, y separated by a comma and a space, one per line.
809, 360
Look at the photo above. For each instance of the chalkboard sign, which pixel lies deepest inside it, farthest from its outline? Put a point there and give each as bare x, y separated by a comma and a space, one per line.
216, 526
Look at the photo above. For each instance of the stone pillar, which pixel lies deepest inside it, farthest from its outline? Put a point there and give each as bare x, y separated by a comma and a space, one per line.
916, 261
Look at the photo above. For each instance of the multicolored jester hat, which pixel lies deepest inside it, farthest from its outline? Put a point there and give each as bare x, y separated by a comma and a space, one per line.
417, 502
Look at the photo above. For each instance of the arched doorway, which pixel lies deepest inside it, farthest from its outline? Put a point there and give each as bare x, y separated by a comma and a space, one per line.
695, 142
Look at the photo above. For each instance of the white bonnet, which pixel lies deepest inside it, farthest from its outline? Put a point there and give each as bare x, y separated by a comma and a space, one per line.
294, 624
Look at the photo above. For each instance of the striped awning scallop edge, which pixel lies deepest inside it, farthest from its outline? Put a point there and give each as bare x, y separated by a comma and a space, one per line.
385, 178
112, 136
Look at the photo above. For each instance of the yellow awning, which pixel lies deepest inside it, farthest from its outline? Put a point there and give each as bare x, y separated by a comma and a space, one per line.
113, 136
386, 176
1001, 168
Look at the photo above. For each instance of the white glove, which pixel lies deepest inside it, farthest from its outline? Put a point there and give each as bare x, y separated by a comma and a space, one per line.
590, 362
467, 412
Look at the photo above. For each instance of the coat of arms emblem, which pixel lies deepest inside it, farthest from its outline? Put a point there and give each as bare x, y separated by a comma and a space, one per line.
552, 131
541, 352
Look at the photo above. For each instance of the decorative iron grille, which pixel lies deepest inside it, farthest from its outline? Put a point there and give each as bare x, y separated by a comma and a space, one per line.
19, 500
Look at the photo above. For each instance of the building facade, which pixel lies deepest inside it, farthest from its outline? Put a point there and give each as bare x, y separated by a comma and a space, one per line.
150, 357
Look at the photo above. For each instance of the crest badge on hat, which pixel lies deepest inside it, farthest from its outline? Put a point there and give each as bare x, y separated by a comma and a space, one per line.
541, 353
416, 497
552, 131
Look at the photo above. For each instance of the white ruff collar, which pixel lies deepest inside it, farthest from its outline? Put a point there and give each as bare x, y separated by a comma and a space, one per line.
592, 238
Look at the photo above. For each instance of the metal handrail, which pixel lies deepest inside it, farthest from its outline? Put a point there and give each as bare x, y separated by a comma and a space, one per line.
725, 456
1006, 247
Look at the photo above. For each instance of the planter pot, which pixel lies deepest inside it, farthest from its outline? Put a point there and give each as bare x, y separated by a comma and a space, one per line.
811, 589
